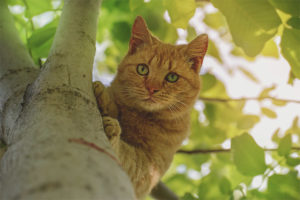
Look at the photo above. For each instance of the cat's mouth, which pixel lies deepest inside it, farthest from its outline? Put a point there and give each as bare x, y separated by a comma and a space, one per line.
150, 100
150, 104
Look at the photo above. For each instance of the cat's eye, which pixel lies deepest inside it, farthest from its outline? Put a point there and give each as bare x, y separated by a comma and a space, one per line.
172, 77
142, 69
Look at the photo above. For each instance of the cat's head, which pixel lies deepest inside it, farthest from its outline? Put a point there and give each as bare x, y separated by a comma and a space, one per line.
155, 76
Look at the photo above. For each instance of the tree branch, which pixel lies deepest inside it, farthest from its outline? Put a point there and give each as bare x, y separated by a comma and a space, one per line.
207, 151
72, 53
211, 99
162, 192
13, 53
42, 160
16, 71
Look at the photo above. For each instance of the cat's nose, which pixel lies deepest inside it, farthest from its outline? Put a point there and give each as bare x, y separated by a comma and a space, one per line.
152, 90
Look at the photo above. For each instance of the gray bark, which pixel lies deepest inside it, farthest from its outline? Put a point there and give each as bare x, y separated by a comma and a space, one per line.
56, 146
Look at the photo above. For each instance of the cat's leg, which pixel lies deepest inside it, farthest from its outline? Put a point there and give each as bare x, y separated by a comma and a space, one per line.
113, 131
107, 109
102, 97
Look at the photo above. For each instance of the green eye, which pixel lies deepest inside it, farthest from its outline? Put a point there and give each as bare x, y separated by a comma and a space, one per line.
142, 69
172, 77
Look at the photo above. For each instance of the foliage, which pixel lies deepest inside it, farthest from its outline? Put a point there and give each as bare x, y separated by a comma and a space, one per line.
250, 27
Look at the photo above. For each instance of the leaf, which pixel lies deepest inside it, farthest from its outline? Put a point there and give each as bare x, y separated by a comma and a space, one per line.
248, 74
36, 7
251, 22
180, 13
225, 186
275, 136
266, 91
247, 121
268, 112
41, 40
248, 157
208, 81
293, 162
188, 196
290, 44
284, 186
294, 22
291, 78
270, 49
213, 50
121, 31
134, 4
288, 6
191, 33
279, 102
237, 51
285, 145
214, 20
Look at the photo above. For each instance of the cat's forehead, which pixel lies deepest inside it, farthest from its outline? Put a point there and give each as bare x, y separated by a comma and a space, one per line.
164, 54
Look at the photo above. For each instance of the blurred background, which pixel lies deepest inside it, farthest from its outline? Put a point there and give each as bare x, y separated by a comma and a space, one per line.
245, 128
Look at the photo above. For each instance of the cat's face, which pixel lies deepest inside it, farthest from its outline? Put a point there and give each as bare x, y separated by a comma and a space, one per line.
155, 76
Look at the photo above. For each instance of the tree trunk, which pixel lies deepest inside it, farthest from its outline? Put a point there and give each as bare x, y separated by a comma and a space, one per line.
56, 146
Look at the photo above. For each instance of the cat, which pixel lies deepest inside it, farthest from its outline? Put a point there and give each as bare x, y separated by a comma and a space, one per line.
146, 109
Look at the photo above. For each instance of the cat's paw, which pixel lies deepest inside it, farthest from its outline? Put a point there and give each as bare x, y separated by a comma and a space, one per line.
111, 127
98, 88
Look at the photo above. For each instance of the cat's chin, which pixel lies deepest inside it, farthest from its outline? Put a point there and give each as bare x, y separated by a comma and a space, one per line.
150, 105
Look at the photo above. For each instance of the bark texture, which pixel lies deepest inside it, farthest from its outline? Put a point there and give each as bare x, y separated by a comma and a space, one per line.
57, 148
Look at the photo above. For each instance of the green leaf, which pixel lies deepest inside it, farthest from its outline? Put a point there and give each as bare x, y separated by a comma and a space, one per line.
291, 7
284, 186
247, 121
213, 51
36, 7
285, 145
214, 20
270, 49
248, 157
278, 102
294, 22
41, 40
237, 51
134, 4
293, 162
266, 91
290, 44
188, 196
191, 33
208, 81
225, 186
275, 136
248, 74
251, 22
180, 13
268, 112
121, 31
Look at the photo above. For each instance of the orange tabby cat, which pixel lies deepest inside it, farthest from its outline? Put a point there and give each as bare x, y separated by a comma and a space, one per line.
146, 109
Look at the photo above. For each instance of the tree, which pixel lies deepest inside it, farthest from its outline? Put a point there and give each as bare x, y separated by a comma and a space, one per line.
49, 115
50, 122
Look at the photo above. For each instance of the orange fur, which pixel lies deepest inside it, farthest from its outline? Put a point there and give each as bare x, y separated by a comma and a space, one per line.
153, 125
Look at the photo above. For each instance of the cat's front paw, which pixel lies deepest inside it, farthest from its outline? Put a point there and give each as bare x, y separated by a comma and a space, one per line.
98, 88
111, 127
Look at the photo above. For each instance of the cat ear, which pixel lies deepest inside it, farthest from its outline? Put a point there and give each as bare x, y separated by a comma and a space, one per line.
139, 35
196, 50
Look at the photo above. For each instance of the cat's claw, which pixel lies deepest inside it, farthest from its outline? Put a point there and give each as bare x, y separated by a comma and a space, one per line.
111, 127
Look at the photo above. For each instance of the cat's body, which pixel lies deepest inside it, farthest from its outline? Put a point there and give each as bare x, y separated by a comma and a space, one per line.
150, 98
